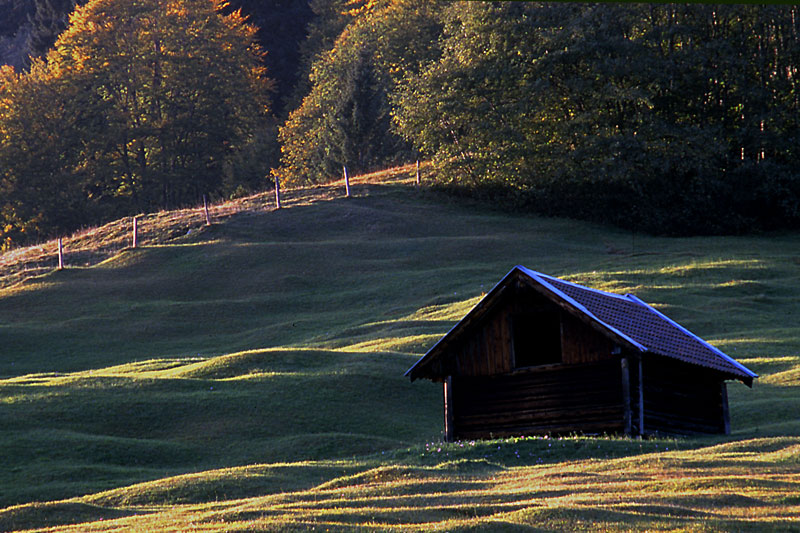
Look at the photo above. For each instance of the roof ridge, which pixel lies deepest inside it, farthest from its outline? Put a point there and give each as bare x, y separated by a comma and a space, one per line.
576, 285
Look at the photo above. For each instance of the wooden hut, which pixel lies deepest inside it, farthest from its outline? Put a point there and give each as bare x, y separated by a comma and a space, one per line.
540, 355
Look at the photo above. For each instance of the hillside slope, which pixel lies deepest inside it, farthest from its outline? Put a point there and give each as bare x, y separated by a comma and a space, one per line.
258, 363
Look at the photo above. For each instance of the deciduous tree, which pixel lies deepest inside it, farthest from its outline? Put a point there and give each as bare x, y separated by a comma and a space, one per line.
161, 98
669, 118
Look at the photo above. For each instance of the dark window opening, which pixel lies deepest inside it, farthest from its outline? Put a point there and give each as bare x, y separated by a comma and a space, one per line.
537, 338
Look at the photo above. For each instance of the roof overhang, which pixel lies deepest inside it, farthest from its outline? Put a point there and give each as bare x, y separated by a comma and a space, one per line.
547, 287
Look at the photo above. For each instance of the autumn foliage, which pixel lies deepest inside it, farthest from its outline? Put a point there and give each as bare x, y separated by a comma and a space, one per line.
141, 104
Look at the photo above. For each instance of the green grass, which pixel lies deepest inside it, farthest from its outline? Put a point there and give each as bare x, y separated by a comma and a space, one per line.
248, 376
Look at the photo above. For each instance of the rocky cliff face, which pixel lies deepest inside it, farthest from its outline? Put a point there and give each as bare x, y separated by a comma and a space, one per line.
14, 48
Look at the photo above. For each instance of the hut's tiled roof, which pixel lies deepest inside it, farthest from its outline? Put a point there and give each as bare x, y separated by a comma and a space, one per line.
626, 318
649, 329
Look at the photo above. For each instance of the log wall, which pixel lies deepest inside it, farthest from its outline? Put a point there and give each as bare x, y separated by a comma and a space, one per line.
682, 399
584, 398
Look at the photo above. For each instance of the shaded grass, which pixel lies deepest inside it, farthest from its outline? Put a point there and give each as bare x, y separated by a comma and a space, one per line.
144, 421
250, 374
41, 515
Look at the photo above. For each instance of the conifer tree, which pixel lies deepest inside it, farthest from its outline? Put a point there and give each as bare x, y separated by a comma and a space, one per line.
345, 119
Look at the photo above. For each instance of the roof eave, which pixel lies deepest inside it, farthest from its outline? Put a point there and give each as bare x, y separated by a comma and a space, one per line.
745, 375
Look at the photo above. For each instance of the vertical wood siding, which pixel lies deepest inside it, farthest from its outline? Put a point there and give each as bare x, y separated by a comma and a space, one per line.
582, 344
488, 351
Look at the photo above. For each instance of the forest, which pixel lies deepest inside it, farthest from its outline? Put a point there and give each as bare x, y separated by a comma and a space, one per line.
671, 119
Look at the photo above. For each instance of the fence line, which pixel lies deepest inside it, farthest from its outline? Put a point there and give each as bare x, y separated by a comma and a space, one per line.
89, 246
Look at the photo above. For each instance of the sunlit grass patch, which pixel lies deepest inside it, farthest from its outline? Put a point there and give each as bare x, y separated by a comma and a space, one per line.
700, 489
413, 344
789, 377
709, 266
36, 515
225, 484
150, 367
448, 312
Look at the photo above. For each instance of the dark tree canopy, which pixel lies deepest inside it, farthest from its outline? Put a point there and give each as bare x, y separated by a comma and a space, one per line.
282, 26
15, 29
667, 118
15, 14
49, 20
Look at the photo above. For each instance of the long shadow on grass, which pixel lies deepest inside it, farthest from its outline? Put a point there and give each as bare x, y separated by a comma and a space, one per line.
633, 518
42, 515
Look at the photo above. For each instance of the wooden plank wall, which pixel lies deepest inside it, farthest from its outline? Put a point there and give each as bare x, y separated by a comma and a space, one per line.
552, 400
582, 344
681, 399
487, 350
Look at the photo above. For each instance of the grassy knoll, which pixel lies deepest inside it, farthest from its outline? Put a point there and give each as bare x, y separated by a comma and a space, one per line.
248, 376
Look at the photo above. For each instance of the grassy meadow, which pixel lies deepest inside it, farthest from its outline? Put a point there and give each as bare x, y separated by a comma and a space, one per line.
248, 375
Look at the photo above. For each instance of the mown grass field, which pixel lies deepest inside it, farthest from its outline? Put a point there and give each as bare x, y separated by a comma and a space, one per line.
249, 376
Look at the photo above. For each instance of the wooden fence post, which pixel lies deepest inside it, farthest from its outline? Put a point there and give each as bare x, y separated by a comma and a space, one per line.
135, 232
60, 254
205, 208
417, 172
346, 183
277, 193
